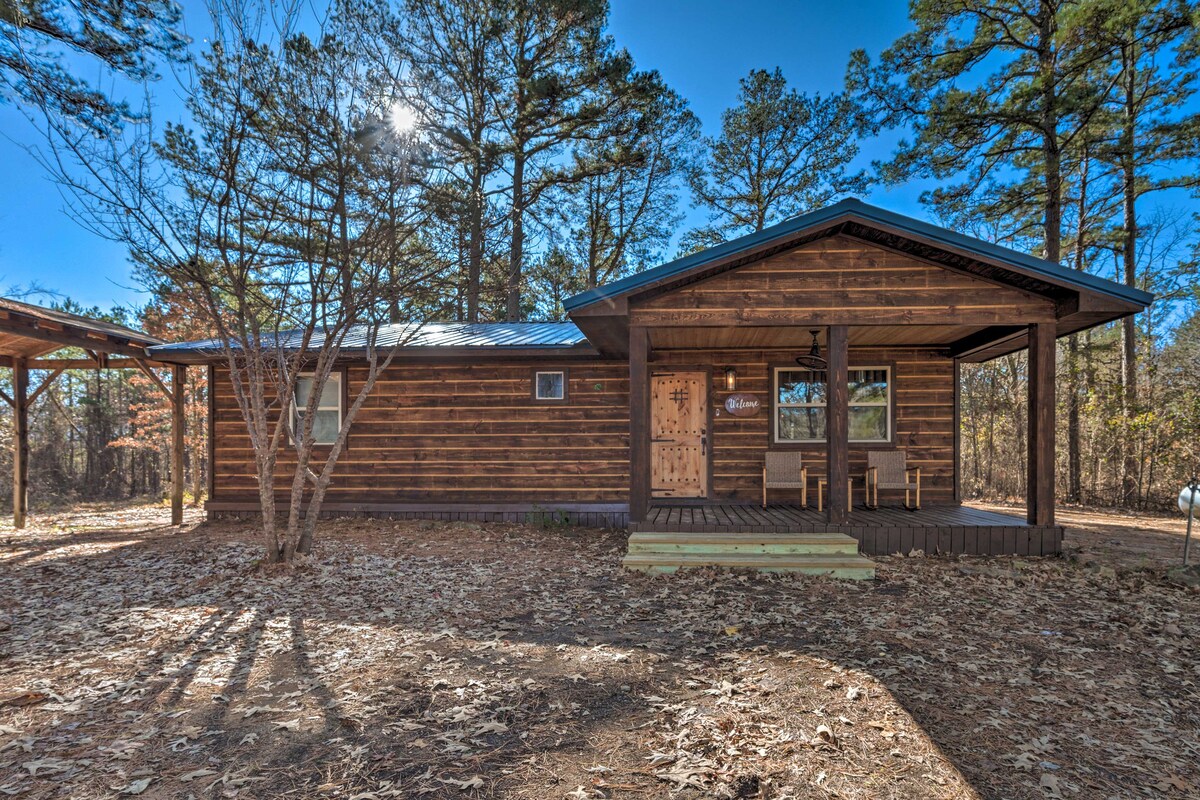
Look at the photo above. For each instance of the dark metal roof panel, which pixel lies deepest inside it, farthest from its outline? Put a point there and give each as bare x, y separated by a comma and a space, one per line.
1055, 273
488, 335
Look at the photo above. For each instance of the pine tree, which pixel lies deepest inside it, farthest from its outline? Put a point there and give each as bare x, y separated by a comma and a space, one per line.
621, 215
125, 39
994, 94
779, 153
556, 63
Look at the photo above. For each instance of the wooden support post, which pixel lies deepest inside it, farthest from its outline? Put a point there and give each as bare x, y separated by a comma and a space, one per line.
639, 423
1040, 480
178, 379
837, 424
957, 432
210, 467
20, 403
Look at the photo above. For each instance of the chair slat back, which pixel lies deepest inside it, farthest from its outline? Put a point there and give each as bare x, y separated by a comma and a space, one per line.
890, 465
784, 465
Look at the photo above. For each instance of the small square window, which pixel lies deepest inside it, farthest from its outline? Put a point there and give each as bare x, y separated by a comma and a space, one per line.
550, 386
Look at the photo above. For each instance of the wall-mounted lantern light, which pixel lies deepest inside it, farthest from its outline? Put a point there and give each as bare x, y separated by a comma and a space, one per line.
730, 379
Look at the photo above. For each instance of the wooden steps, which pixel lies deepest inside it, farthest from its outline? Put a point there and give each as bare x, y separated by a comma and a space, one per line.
834, 554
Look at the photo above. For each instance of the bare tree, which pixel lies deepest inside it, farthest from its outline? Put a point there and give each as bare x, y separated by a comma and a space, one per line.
264, 209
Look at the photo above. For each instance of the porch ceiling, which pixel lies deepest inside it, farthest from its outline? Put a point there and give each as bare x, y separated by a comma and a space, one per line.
708, 338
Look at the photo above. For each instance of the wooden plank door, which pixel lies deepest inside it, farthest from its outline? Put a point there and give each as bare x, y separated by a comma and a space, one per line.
679, 434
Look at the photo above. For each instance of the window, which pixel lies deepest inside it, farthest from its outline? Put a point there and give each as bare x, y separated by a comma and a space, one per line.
329, 410
550, 386
800, 398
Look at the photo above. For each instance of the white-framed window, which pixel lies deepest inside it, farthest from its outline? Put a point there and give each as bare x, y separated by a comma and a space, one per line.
801, 397
550, 386
328, 419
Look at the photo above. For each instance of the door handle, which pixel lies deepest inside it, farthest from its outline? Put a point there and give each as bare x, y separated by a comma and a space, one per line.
703, 445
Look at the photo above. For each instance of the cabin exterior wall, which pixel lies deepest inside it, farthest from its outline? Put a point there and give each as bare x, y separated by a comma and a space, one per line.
922, 409
458, 433
471, 434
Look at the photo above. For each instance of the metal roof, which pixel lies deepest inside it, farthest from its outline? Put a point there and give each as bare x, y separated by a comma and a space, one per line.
490, 335
854, 208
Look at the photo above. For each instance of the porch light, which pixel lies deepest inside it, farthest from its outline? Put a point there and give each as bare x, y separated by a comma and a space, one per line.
812, 359
730, 379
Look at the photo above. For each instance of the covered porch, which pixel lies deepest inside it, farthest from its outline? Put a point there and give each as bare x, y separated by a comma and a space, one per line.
829, 347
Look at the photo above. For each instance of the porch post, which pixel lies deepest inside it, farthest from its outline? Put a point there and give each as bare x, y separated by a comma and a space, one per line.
178, 380
837, 424
957, 373
1040, 480
210, 466
20, 398
639, 429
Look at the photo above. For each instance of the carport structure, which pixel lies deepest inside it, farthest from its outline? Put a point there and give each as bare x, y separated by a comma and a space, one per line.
28, 333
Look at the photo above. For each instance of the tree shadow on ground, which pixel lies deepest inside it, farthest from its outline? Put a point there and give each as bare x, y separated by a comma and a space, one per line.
448, 653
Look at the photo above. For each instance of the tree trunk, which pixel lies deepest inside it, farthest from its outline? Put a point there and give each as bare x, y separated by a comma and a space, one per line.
516, 253
475, 246
1074, 463
1129, 468
1074, 452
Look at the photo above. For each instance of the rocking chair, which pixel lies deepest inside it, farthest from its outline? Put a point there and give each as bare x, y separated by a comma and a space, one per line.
888, 469
784, 469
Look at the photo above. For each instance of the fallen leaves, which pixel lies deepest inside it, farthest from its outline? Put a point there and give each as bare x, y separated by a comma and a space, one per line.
408, 660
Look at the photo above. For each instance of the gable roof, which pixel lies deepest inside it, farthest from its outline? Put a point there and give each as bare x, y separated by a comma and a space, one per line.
851, 210
28, 331
499, 337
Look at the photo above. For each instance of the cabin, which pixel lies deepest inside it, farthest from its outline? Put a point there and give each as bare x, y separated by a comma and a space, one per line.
826, 348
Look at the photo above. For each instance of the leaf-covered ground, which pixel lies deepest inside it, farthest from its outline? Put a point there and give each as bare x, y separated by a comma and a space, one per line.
456, 660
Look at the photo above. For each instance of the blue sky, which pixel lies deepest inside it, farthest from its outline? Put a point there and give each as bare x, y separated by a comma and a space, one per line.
702, 47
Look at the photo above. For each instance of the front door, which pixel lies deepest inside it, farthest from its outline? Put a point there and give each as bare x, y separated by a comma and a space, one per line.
679, 434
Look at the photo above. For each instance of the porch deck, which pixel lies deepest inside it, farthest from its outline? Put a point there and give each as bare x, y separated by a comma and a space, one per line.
934, 529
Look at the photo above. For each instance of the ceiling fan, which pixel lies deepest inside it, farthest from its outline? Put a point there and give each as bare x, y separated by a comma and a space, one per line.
812, 359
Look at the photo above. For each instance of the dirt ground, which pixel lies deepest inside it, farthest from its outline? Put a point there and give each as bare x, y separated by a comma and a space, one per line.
465, 661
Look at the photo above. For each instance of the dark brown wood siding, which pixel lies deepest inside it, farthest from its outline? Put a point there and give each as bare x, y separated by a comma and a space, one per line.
923, 392
841, 281
461, 433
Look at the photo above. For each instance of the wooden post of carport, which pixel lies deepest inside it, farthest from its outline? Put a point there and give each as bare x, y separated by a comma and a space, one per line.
20, 407
837, 424
1040, 479
175, 397
178, 381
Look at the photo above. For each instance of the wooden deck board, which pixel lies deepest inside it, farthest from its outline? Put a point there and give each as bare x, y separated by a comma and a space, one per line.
889, 529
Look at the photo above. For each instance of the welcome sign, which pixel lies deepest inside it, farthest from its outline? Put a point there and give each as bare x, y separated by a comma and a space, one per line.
742, 405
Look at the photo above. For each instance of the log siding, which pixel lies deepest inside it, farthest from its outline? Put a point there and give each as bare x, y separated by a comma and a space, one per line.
922, 421
459, 433
840, 281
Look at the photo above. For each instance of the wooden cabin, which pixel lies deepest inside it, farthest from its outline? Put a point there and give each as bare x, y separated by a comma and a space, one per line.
623, 415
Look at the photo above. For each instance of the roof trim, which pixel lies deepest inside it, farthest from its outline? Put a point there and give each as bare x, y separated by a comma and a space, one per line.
852, 208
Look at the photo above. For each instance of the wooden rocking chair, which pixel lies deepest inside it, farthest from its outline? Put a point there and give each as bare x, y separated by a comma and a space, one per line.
888, 469
784, 469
